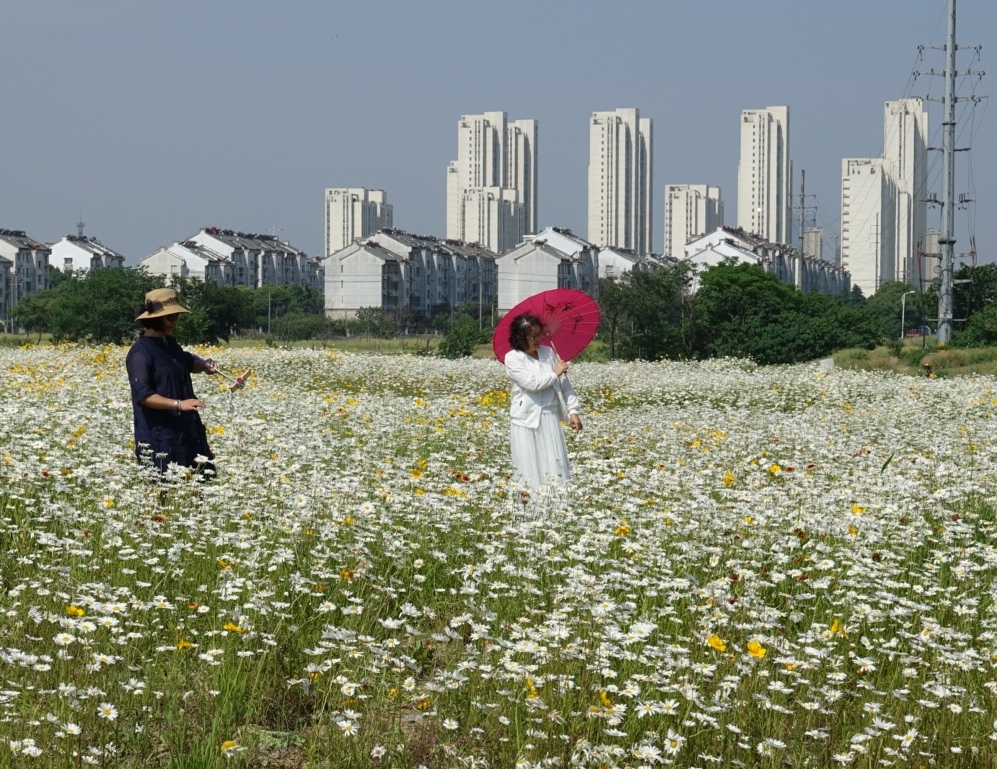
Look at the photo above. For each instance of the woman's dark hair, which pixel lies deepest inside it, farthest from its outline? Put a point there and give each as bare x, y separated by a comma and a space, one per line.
520, 328
156, 324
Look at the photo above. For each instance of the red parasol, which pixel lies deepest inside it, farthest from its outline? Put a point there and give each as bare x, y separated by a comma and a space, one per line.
570, 319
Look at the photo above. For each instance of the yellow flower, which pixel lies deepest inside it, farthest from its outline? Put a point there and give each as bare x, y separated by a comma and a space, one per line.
853, 530
229, 747
837, 626
348, 520
183, 643
604, 699
729, 478
74, 611
774, 468
423, 704
857, 509
622, 530
717, 643
232, 627
756, 650
346, 575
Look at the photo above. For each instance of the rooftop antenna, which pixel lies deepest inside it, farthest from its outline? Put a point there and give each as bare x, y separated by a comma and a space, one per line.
80, 224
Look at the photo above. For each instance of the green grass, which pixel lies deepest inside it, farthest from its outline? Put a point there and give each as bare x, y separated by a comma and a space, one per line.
912, 357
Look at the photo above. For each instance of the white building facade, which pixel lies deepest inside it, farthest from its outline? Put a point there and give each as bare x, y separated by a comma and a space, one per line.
554, 258
395, 270
24, 264
492, 185
813, 243
620, 183
83, 253
691, 211
791, 267
354, 212
868, 216
764, 174
905, 146
188, 259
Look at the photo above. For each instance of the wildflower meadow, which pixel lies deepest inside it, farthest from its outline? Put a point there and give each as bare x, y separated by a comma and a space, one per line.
753, 567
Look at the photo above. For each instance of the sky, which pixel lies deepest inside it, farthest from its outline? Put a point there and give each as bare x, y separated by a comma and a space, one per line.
153, 119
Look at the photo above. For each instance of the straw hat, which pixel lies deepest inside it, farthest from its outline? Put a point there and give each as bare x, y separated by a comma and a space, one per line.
160, 302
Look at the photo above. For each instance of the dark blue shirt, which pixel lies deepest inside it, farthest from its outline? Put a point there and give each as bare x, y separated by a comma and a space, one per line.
159, 366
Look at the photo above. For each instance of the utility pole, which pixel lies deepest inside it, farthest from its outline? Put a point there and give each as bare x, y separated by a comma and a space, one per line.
946, 239
803, 208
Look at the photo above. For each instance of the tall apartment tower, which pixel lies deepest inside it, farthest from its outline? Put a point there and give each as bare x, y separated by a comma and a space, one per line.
763, 174
868, 215
905, 145
492, 185
354, 212
813, 243
691, 211
620, 180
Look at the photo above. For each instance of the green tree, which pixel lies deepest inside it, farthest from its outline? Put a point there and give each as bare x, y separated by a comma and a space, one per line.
99, 306
461, 338
980, 331
374, 321
272, 301
299, 326
33, 312
216, 312
979, 293
613, 297
888, 307
743, 311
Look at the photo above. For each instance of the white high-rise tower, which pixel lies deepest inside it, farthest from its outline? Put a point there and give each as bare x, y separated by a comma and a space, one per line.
492, 186
868, 216
691, 211
620, 180
905, 145
763, 174
354, 212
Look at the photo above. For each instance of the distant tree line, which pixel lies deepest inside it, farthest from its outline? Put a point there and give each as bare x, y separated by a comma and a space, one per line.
98, 306
735, 310
739, 310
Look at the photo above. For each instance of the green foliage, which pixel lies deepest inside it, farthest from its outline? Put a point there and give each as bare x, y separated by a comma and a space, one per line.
33, 312
299, 326
216, 312
976, 295
889, 308
270, 302
980, 331
374, 321
99, 306
648, 315
461, 338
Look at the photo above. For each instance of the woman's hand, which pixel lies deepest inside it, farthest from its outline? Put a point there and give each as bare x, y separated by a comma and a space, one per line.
575, 422
192, 404
561, 367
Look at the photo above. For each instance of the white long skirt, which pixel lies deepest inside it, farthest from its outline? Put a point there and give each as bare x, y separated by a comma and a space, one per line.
541, 455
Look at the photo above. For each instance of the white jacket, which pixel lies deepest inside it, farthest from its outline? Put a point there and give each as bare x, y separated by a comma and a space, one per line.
535, 385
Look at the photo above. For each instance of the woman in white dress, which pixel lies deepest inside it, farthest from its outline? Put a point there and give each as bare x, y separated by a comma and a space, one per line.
542, 397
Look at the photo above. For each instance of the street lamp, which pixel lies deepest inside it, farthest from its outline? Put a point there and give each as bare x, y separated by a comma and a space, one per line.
903, 312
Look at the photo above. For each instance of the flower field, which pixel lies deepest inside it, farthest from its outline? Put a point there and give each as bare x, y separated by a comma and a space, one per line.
755, 567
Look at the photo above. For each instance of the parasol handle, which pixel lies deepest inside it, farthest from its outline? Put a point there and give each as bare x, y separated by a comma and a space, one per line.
558, 358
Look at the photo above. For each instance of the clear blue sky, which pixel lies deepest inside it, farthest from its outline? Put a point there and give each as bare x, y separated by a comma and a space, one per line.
156, 118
